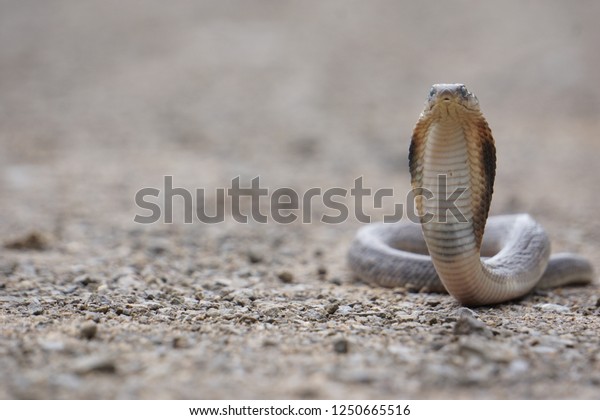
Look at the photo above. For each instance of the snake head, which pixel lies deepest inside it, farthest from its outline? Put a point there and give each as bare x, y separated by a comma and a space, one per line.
452, 94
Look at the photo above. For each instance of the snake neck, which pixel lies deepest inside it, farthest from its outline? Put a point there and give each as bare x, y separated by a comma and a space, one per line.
452, 163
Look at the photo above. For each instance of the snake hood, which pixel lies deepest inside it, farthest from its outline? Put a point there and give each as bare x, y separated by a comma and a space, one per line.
452, 117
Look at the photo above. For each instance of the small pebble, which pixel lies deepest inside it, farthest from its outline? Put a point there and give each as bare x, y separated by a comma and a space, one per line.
94, 363
322, 271
88, 330
158, 246
180, 343
544, 350
36, 310
286, 276
466, 312
468, 324
344, 310
248, 319
255, 257
52, 345
176, 300
269, 343
341, 346
313, 315
517, 367
32, 241
332, 308
552, 307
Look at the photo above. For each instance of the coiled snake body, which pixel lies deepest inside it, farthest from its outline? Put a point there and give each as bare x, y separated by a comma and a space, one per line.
452, 149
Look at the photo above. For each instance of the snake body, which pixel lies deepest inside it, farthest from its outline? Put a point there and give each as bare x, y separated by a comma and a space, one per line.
452, 150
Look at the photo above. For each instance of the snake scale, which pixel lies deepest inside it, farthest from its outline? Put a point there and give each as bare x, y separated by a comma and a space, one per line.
452, 148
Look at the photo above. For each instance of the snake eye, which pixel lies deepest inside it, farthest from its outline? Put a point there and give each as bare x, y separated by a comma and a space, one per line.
463, 91
432, 92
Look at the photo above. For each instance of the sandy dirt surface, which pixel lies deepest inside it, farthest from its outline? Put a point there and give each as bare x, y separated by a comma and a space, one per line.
100, 99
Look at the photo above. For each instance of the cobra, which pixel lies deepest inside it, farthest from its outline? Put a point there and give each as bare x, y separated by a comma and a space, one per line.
452, 149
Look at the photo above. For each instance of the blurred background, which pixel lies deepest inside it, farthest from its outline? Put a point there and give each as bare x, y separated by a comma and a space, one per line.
100, 98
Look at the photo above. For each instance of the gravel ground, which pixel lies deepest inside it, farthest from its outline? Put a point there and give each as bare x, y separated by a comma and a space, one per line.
103, 98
